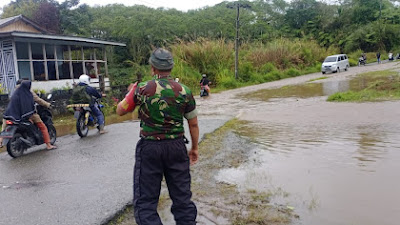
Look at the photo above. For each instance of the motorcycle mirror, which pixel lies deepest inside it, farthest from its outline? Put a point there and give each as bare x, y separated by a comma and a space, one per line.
49, 96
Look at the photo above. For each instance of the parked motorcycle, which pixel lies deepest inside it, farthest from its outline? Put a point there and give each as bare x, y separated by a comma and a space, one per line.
19, 136
85, 118
362, 61
203, 91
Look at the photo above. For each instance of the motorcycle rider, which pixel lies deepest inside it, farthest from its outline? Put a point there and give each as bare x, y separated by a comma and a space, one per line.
21, 107
84, 80
204, 82
364, 56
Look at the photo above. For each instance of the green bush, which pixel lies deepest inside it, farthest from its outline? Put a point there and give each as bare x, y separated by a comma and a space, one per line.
257, 78
268, 67
245, 71
229, 82
353, 62
274, 75
292, 72
2, 91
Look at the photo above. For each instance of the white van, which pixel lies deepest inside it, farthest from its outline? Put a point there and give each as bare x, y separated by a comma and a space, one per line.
335, 63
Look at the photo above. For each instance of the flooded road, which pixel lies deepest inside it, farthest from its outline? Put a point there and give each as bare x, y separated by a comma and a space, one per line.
336, 163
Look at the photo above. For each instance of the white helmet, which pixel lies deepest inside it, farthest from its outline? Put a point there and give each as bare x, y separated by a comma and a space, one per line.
84, 79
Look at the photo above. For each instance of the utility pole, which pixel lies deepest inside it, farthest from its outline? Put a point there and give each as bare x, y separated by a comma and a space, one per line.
238, 6
237, 42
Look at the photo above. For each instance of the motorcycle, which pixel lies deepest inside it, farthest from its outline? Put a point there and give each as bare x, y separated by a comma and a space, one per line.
203, 91
390, 57
19, 136
362, 61
85, 118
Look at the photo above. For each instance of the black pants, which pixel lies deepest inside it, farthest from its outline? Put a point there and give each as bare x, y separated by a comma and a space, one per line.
153, 160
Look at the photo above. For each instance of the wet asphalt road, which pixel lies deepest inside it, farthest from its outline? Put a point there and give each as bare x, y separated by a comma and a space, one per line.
84, 181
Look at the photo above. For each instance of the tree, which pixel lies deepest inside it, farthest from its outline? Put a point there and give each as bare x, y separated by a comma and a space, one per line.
47, 15
20, 7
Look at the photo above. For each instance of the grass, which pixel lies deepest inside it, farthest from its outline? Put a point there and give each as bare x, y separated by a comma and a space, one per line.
259, 62
319, 78
378, 86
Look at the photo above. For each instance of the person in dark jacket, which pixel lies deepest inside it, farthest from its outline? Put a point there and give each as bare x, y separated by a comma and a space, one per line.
84, 80
22, 108
204, 82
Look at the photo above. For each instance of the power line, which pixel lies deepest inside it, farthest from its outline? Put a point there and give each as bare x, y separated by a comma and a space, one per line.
148, 3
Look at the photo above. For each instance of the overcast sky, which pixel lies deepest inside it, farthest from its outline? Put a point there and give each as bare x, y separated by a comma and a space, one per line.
182, 5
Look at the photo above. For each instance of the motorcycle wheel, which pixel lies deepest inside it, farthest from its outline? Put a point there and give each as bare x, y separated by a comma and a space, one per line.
53, 134
81, 128
14, 147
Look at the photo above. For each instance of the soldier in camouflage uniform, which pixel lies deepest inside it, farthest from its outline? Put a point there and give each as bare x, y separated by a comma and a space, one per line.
163, 103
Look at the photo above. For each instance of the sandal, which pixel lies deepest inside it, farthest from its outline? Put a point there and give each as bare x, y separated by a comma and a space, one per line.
52, 148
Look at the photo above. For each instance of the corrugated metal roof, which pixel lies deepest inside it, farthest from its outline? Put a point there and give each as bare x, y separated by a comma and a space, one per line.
6, 21
63, 38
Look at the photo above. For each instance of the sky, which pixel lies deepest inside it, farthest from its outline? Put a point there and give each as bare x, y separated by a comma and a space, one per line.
182, 5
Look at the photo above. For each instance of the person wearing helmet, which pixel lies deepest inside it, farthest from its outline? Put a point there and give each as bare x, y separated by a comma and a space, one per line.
163, 103
204, 83
84, 81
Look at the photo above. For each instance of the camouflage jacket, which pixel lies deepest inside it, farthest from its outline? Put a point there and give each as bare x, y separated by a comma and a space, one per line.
162, 105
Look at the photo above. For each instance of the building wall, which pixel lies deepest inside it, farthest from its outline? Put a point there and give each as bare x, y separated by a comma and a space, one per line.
7, 66
47, 86
19, 26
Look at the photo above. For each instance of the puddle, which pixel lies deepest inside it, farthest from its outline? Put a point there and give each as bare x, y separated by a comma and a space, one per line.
330, 171
324, 88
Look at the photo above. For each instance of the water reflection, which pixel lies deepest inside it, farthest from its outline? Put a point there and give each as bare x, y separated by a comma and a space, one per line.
371, 145
369, 142
325, 88
336, 172
333, 87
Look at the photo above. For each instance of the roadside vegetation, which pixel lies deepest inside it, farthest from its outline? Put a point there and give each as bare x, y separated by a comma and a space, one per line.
319, 78
376, 86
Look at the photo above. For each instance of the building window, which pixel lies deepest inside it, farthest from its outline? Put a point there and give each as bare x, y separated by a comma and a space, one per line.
24, 70
63, 70
22, 50
38, 71
51, 68
52, 62
77, 68
37, 51
50, 51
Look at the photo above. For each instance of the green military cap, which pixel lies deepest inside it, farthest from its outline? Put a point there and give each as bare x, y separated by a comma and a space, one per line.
161, 59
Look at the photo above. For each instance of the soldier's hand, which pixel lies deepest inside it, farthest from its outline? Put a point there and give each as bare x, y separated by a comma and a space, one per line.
130, 87
193, 156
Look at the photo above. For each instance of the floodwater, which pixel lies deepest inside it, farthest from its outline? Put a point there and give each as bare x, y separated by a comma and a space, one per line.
314, 89
337, 162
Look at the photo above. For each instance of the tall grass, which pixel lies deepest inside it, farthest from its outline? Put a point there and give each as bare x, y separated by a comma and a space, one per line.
258, 62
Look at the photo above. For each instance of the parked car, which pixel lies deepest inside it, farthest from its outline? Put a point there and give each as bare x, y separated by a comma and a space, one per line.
335, 63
